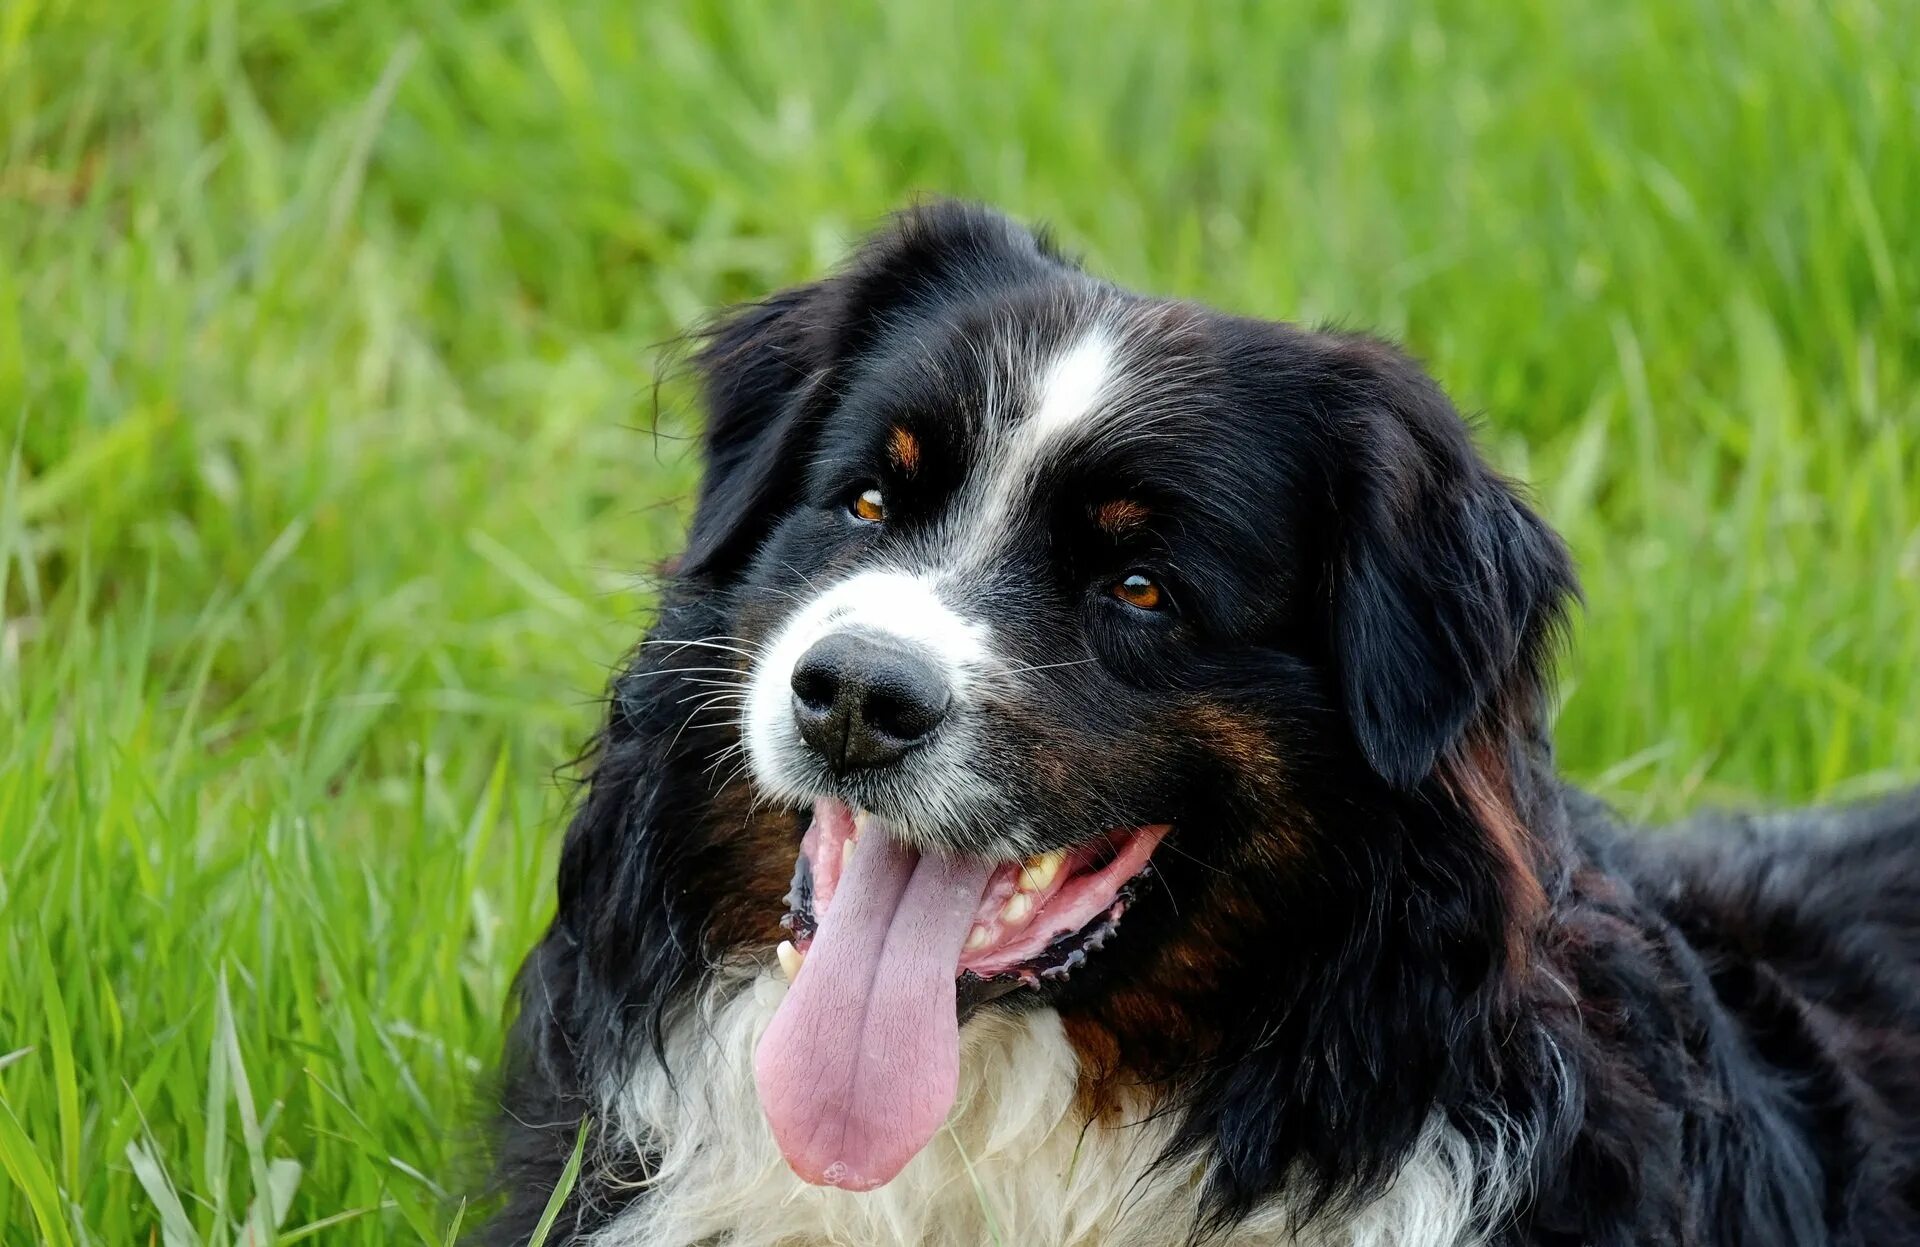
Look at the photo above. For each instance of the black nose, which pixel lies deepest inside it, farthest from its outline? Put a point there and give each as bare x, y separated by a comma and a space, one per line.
863, 700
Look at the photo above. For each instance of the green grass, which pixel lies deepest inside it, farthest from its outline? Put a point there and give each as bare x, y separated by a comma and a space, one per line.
325, 397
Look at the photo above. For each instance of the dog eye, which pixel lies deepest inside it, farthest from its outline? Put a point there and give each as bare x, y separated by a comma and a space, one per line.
1140, 591
870, 505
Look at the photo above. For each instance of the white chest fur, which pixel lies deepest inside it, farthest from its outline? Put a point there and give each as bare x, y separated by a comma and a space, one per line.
1017, 1163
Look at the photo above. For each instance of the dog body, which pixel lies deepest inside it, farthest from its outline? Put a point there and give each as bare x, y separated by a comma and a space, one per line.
1088, 783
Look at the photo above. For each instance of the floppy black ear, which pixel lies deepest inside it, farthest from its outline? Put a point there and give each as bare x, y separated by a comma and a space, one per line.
1448, 589
768, 371
757, 369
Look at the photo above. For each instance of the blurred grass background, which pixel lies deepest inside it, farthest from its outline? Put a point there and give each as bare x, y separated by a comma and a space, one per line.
330, 464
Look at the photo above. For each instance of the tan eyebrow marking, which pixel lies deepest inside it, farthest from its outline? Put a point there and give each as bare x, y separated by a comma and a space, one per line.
904, 449
1120, 516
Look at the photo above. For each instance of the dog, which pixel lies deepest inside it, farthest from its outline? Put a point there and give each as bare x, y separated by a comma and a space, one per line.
1089, 783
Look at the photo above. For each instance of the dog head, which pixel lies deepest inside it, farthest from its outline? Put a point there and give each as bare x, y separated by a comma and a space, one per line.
1107, 646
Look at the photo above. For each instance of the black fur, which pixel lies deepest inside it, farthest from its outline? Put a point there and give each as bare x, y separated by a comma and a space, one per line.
1706, 1036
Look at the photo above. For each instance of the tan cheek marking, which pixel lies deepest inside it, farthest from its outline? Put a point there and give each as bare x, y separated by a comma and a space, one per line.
1245, 747
1136, 1037
904, 449
1242, 742
750, 868
1121, 516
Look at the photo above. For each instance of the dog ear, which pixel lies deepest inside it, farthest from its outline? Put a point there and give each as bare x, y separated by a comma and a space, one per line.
768, 371
757, 368
1448, 590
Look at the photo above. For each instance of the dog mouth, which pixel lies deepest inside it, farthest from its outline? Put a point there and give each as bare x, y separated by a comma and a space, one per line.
859, 1066
1037, 920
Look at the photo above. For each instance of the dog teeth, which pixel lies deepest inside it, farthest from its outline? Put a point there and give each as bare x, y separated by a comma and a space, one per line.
846, 852
1019, 909
978, 938
790, 959
1036, 873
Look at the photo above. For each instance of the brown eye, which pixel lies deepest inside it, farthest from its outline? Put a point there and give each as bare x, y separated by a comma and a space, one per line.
870, 506
1140, 591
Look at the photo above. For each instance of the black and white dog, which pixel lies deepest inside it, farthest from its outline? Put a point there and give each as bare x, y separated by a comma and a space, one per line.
1088, 783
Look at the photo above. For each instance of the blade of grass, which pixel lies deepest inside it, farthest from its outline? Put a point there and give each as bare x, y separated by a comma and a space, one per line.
31, 1177
175, 1229
563, 1188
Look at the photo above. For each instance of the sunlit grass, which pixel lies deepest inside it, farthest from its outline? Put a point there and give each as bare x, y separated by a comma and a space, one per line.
331, 467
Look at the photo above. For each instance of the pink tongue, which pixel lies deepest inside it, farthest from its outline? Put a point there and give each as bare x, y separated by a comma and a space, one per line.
858, 1068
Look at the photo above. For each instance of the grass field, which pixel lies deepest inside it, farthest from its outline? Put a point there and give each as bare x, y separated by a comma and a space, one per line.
329, 461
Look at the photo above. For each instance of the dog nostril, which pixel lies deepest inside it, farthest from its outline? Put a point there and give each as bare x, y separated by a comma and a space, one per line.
817, 686
906, 717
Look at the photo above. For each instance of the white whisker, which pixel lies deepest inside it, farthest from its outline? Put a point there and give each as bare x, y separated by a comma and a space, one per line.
1048, 666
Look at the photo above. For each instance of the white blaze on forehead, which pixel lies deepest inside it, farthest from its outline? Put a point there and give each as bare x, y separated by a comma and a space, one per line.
1071, 389
1063, 394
